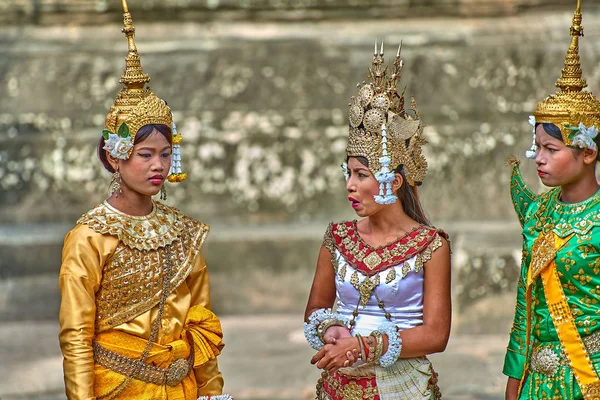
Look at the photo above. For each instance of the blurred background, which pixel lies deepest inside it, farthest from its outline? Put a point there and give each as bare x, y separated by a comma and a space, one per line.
260, 90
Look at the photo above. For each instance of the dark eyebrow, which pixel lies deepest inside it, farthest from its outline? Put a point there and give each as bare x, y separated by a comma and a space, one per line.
152, 148
360, 169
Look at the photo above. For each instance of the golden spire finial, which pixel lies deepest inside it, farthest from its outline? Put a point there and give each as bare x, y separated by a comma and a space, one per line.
571, 77
133, 75
135, 104
571, 105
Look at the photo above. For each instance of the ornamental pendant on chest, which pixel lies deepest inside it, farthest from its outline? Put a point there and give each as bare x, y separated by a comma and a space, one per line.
369, 284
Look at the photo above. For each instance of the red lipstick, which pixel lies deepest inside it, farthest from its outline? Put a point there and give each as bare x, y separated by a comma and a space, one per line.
355, 203
157, 179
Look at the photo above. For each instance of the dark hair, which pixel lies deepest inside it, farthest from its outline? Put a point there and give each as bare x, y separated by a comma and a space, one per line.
407, 195
141, 135
551, 130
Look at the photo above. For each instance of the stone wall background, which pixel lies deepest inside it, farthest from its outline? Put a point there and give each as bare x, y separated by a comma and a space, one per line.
260, 92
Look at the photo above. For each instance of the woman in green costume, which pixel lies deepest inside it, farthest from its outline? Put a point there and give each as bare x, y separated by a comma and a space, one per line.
554, 347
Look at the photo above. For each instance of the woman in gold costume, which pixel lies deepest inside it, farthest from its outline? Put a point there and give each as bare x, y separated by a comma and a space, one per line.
135, 314
554, 347
390, 271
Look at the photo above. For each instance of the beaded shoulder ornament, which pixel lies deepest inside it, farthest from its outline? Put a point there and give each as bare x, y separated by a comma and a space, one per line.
383, 131
135, 106
574, 110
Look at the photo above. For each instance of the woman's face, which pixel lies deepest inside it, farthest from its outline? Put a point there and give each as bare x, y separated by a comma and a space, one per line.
145, 171
361, 187
557, 164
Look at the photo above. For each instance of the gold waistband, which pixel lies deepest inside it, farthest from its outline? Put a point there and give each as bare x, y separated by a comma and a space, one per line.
547, 357
137, 369
592, 343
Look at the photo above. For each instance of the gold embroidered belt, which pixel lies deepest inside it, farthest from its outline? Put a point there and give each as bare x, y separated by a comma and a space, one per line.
592, 343
547, 357
136, 369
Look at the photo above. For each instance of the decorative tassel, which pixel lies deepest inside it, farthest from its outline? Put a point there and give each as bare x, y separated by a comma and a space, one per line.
531, 152
385, 176
175, 173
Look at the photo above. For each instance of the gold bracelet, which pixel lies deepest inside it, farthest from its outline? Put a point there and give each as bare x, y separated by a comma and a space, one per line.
323, 326
361, 345
379, 337
371, 343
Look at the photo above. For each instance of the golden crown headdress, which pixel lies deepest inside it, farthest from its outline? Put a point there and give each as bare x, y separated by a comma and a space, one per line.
574, 110
136, 105
381, 129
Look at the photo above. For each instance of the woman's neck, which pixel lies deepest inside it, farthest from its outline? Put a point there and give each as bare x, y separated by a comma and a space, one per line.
131, 203
390, 221
579, 190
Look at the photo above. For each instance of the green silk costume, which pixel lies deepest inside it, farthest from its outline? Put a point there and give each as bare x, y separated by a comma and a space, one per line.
578, 266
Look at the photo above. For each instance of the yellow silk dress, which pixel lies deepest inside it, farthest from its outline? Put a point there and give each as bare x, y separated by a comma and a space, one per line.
111, 285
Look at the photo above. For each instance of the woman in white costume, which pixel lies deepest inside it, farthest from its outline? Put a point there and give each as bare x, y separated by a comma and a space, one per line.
389, 271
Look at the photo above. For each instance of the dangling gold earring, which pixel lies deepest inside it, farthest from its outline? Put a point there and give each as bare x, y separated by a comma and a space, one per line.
163, 193
115, 185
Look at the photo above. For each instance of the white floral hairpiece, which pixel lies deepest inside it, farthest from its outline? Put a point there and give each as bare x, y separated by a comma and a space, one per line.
585, 137
118, 144
344, 167
531, 152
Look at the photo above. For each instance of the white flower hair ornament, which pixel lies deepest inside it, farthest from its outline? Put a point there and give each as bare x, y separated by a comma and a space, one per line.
344, 167
531, 152
119, 144
585, 138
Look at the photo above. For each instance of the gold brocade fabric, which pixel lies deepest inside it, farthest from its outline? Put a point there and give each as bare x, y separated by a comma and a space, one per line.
92, 248
206, 331
138, 258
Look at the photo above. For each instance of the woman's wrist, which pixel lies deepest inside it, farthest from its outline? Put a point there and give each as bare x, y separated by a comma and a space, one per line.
319, 321
391, 344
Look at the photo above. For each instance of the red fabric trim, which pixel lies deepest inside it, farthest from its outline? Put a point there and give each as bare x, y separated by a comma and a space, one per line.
343, 381
428, 233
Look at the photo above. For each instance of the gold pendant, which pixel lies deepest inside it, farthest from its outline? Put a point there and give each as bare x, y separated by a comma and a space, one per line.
354, 280
372, 260
342, 272
365, 289
391, 275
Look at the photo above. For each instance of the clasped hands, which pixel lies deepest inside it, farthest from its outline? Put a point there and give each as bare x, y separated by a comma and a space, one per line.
340, 350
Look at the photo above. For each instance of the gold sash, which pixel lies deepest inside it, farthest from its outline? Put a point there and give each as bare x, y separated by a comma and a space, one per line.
543, 264
201, 326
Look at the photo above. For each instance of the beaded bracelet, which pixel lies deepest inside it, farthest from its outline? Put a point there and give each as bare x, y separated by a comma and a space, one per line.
394, 344
316, 319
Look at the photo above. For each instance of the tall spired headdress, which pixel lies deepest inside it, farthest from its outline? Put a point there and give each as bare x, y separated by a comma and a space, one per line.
136, 105
574, 110
383, 131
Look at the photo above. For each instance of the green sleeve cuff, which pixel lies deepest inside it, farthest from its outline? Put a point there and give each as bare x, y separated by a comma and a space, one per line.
514, 364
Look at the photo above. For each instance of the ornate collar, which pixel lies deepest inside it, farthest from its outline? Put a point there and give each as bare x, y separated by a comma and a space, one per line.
566, 218
149, 232
371, 260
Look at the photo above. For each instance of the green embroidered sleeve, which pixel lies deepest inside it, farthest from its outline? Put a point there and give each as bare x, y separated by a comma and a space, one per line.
522, 197
514, 361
